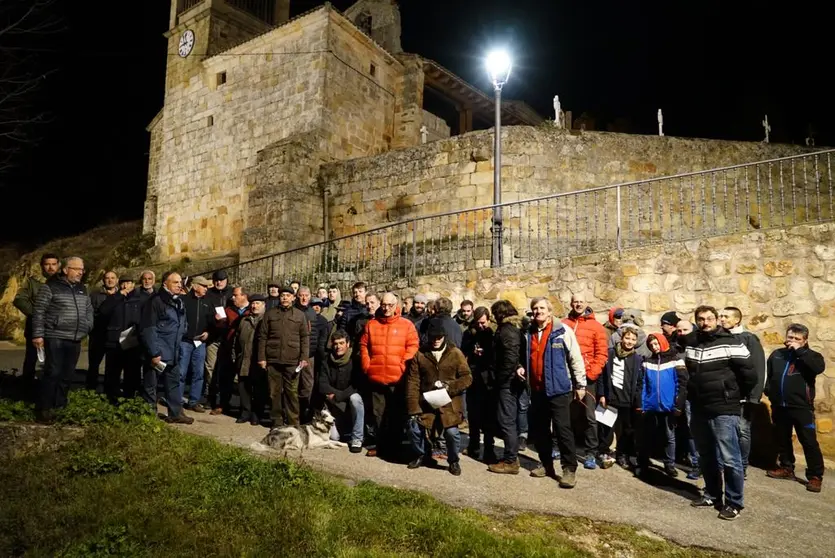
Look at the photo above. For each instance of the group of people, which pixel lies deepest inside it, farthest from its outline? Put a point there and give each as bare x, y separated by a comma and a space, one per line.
517, 375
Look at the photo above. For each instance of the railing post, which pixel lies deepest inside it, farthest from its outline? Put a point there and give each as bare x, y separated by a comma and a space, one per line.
619, 221
272, 268
414, 246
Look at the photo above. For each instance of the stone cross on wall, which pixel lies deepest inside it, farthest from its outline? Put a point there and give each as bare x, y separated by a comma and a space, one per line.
424, 134
558, 114
767, 128
660, 123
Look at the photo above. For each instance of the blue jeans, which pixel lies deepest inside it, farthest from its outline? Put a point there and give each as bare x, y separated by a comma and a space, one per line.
524, 404
745, 433
718, 438
355, 418
171, 384
423, 447
192, 360
691, 441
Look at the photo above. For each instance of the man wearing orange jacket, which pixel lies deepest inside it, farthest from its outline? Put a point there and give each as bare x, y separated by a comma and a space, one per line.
591, 336
387, 344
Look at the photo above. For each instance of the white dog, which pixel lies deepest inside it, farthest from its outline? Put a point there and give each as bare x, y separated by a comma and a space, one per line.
315, 435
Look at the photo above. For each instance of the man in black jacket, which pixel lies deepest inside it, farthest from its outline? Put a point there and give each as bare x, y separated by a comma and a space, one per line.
357, 306
338, 384
123, 312
62, 317
219, 297
318, 328
792, 372
720, 374
96, 343
477, 346
731, 319
199, 319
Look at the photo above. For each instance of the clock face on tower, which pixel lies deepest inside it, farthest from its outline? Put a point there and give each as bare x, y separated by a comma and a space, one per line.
186, 43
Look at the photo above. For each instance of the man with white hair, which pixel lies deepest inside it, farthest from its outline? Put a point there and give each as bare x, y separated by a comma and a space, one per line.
557, 375
62, 317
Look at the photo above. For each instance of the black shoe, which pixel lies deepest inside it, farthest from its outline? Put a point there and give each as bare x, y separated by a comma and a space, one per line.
179, 419
523, 444
729, 513
622, 461
415, 463
253, 420
45, 417
242, 419
705, 502
455, 469
671, 470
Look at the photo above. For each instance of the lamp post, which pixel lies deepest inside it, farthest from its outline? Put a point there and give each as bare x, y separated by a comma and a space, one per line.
498, 66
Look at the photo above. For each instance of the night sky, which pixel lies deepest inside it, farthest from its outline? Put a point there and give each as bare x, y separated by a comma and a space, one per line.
714, 70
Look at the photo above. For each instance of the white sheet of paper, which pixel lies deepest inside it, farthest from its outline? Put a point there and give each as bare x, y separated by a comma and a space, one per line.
220, 312
127, 340
437, 398
197, 343
607, 416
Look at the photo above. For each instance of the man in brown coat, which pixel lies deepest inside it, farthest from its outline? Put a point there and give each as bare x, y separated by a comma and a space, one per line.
252, 380
283, 341
437, 366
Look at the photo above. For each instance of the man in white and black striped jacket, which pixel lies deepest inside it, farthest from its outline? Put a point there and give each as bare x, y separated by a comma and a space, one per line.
720, 373
62, 317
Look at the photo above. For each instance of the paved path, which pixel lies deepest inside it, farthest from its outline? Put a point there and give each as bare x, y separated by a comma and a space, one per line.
781, 518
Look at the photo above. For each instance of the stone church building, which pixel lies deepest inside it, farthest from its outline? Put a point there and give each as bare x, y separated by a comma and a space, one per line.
244, 79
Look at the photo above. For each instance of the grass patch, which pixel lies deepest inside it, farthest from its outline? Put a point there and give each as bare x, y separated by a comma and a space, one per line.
129, 490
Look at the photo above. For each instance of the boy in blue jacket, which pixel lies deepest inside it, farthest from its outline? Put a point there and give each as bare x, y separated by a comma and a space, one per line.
663, 392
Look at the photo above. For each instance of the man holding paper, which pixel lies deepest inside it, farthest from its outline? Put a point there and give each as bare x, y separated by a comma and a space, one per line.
557, 375
199, 316
437, 377
122, 312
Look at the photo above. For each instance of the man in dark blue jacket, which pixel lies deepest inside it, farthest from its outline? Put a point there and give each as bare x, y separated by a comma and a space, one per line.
122, 312
62, 317
163, 326
792, 372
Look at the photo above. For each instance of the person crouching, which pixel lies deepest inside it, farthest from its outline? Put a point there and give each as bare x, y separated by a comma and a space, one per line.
436, 366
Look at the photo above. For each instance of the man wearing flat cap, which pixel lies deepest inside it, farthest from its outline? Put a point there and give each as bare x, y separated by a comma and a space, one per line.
252, 379
283, 345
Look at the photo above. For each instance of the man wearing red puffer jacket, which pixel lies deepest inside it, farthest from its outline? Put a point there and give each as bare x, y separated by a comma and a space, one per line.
387, 344
594, 346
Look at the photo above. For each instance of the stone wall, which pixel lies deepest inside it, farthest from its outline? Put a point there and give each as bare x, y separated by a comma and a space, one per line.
775, 278
436, 126
457, 173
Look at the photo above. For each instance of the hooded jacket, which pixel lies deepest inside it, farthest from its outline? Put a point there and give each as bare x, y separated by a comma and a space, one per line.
424, 371
620, 379
719, 371
792, 375
752, 342
563, 368
663, 379
386, 345
121, 312
592, 339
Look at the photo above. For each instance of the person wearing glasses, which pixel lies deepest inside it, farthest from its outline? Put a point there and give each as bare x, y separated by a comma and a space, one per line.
62, 317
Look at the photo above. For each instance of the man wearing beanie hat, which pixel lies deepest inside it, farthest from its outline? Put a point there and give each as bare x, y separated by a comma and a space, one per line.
437, 365
669, 322
418, 312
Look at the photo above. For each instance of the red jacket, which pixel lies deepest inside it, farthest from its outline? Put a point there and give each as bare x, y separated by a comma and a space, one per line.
385, 347
592, 340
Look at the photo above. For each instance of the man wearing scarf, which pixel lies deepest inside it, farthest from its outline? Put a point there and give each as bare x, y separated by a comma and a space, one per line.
338, 383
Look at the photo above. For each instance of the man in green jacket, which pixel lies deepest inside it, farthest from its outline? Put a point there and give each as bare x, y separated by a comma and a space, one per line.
24, 301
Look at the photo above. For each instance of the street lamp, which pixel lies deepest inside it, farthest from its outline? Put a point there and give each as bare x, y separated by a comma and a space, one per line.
498, 66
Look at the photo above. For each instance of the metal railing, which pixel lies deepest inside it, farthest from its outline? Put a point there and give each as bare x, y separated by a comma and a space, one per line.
186, 5
736, 199
261, 9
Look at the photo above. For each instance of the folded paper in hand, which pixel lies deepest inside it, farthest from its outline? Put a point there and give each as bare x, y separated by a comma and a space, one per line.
220, 312
606, 416
127, 339
160, 366
437, 398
